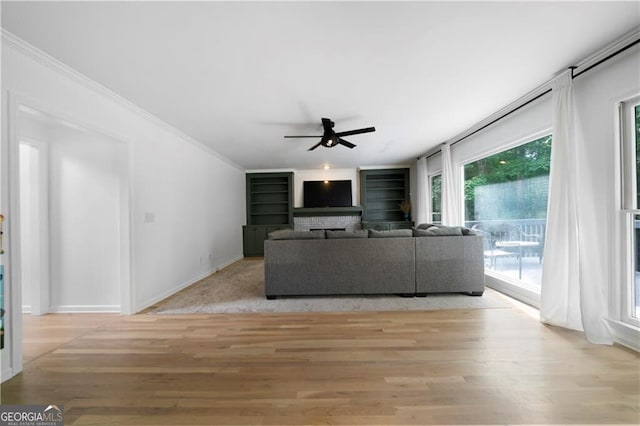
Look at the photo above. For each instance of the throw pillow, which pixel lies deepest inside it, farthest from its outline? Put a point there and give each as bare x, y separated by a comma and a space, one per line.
467, 231
425, 226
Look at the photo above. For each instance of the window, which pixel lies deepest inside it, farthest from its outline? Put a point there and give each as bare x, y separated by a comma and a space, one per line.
506, 197
436, 199
634, 289
631, 208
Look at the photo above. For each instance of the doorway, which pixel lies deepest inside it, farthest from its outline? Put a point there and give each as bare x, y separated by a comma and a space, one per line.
70, 244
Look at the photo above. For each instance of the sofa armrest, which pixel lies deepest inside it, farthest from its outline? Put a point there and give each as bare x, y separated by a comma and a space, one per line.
449, 264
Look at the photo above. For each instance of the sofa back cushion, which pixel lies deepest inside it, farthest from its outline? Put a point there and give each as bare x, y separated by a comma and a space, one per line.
289, 234
393, 233
463, 229
438, 231
347, 234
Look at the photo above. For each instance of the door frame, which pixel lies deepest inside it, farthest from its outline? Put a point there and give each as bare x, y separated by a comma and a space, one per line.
13, 282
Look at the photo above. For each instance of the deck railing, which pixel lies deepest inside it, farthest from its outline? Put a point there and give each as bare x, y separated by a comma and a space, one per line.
528, 226
533, 228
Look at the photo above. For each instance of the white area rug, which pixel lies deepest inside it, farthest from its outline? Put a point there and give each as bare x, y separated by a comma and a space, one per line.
240, 288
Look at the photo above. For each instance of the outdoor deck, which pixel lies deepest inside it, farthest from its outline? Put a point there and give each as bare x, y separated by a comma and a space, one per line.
531, 269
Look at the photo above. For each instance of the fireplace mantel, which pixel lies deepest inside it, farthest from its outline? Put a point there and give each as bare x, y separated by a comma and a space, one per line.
327, 211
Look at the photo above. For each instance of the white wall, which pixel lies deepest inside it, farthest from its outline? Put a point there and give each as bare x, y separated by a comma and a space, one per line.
84, 174
192, 199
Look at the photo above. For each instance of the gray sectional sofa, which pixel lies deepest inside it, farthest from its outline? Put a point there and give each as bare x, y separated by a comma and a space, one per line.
402, 262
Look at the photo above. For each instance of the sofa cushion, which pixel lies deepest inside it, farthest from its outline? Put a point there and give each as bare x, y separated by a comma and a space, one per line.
289, 234
347, 234
393, 233
438, 231
464, 229
425, 226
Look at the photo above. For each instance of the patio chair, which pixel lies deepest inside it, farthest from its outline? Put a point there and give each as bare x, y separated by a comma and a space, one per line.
491, 252
511, 238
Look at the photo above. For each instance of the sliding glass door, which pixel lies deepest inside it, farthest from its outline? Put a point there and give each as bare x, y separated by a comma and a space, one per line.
506, 197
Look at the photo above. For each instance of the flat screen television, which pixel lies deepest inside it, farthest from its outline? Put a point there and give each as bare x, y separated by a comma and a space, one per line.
326, 193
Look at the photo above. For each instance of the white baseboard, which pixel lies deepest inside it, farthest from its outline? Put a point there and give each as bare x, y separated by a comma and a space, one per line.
26, 309
174, 290
227, 263
184, 285
69, 309
6, 375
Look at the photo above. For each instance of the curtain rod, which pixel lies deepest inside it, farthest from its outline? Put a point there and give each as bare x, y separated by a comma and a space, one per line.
503, 116
511, 111
617, 52
436, 151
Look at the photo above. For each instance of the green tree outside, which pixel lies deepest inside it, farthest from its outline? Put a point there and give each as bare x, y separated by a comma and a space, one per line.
436, 198
517, 164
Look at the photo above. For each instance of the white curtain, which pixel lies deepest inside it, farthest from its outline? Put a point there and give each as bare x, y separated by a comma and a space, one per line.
420, 208
450, 193
573, 291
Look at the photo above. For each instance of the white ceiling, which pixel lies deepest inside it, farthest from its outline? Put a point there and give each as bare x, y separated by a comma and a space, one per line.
239, 76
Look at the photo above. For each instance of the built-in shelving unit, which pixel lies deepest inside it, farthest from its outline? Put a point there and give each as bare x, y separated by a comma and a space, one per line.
381, 192
269, 208
269, 198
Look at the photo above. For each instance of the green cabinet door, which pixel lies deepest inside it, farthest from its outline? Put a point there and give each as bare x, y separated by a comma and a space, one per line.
253, 237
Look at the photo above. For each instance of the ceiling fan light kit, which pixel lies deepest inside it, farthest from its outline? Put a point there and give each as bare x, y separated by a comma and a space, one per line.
330, 138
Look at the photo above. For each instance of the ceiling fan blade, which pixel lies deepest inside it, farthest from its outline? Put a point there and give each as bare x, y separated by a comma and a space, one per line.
315, 146
296, 137
346, 143
356, 132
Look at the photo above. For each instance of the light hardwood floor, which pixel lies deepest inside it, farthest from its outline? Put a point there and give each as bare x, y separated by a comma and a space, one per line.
484, 366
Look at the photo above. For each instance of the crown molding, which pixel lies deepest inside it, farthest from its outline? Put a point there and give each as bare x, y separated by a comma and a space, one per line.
390, 166
270, 170
61, 68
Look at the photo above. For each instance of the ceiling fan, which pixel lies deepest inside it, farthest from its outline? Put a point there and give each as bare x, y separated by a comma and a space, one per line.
330, 138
